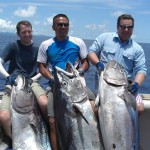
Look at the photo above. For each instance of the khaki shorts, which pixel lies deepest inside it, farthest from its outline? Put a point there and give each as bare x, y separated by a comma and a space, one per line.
37, 89
50, 107
5, 104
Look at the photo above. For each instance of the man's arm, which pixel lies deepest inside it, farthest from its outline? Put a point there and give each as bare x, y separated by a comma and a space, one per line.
139, 78
93, 58
84, 64
95, 61
2, 69
134, 87
44, 71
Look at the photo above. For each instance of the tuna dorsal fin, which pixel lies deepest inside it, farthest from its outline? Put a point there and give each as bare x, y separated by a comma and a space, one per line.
79, 110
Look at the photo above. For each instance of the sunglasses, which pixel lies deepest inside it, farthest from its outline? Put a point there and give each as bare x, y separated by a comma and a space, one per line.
124, 27
62, 24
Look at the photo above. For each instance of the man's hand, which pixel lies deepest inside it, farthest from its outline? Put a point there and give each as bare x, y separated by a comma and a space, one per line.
81, 71
11, 81
134, 87
100, 67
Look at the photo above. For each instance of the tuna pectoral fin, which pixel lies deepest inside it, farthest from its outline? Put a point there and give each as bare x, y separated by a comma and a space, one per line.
79, 110
129, 99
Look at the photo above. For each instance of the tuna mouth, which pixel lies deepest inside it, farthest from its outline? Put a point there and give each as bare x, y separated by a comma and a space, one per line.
21, 82
69, 74
70, 70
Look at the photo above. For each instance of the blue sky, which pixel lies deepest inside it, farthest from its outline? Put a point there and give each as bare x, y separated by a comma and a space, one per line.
88, 18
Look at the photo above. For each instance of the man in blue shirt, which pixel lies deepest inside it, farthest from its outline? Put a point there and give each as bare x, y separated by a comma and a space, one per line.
58, 51
120, 47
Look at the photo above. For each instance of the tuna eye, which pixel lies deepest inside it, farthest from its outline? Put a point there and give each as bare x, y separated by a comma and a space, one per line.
64, 83
29, 91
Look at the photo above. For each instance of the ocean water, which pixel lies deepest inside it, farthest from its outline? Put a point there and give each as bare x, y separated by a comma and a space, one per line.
5, 38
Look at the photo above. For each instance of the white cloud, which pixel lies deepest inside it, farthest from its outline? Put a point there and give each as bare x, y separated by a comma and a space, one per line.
103, 27
91, 26
118, 13
6, 24
49, 21
100, 27
37, 22
29, 12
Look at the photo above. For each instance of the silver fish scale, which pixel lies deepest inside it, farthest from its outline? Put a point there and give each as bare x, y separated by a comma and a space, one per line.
29, 131
76, 122
117, 114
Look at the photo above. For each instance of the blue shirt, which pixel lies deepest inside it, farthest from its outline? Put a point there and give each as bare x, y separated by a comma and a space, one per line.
61, 52
129, 54
58, 53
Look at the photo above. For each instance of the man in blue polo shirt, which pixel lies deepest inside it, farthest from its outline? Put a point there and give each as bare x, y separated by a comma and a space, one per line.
58, 51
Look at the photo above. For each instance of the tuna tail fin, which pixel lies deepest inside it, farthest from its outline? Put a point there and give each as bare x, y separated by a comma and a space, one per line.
78, 109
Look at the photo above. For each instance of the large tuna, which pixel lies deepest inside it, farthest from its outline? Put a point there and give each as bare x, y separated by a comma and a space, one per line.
117, 110
76, 122
29, 130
